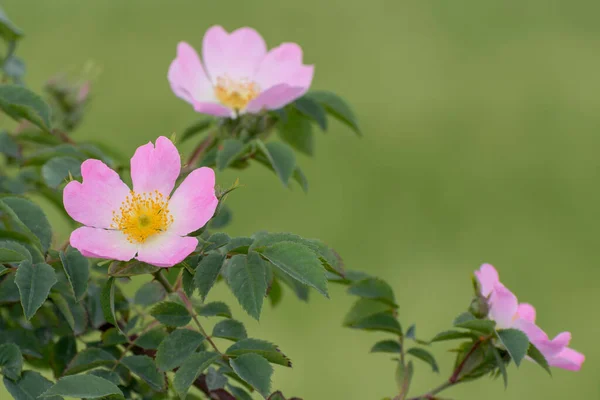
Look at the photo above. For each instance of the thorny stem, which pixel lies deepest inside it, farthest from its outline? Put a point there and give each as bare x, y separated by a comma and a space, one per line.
455, 377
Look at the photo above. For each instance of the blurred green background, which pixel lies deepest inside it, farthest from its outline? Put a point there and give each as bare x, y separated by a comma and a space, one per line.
481, 132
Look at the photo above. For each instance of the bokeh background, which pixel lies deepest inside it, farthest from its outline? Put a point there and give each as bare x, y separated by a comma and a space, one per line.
481, 138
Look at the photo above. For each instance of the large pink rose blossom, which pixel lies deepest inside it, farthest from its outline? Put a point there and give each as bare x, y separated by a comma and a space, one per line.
147, 223
506, 311
237, 74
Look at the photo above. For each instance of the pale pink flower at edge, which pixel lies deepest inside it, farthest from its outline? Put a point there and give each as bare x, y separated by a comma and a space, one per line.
237, 75
147, 223
506, 311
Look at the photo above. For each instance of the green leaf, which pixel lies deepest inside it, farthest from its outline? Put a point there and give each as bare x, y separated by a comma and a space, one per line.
297, 132
424, 355
89, 358
13, 252
107, 300
112, 337
216, 241
171, 314
247, 277
130, 268
386, 346
197, 127
207, 272
215, 380
301, 179
9, 292
280, 157
150, 293
515, 342
239, 245
7, 29
110, 376
18, 102
176, 347
404, 375
190, 370
313, 110
83, 386
32, 216
230, 329
299, 262
255, 370
466, 316
214, 309
452, 335
57, 170
8, 145
478, 325
260, 347
375, 289
365, 308
336, 107
77, 269
11, 360
34, 283
239, 393
501, 366
539, 358
143, 366
228, 151
383, 322
151, 339
29, 387
62, 353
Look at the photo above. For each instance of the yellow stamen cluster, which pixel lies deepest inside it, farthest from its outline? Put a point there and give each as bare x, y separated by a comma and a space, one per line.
142, 215
235, 94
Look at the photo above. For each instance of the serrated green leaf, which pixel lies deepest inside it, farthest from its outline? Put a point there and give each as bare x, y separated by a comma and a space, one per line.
313, 110
207, 272
8, 146
29, 387
171, 314
89, 358
336, 107
478, 325
57, 170
466, 316
83, 386
215, 380
190, 370
110, 376
425, 356
130, 268
62, 353
112, 337
365, 308
247, 278
239, 245
216, 241
32, 220
214, 309
452, 335
515, 342
144, 367
297, 132
152, 339
18, 102
149, 294
383, 322
374, 289
260, 347
501, 366
386, 346
34, 283
8, 30
301, 179
11, 361
255, 370
537, 356
107, 301
230, 329
228, 151
280, 158
299, 262
176, 347
77, 269
13, 252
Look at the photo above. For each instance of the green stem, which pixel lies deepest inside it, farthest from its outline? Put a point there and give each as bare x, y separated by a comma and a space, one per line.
160, 278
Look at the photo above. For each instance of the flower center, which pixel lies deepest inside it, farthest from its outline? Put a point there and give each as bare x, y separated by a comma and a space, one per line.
235, 94
142, 215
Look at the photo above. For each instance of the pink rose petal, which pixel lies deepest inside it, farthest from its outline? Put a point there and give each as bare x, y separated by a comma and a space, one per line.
166, 250
155, 168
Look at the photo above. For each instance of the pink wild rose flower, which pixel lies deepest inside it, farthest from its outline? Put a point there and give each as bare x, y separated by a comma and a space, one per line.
147, 223
237, 75
506, 311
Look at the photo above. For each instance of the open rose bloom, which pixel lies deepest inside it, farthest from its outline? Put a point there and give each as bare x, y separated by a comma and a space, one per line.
147, 223
506, 311
237, 74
